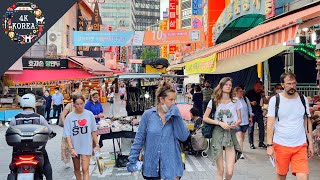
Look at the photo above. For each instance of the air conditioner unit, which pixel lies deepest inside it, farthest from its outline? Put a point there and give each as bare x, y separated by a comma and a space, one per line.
54, 43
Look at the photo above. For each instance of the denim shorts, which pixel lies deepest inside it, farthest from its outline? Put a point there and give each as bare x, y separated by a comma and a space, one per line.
242, 128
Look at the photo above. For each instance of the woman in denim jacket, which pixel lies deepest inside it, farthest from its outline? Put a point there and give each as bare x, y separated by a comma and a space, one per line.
159, 132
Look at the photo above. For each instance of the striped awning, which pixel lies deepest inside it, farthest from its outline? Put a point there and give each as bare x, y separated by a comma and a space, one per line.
269, 34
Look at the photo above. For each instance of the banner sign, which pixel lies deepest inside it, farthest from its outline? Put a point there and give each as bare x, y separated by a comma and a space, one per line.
40, 63
99, 38
137, 38
181, 36
270, 8
202, 65
197, 7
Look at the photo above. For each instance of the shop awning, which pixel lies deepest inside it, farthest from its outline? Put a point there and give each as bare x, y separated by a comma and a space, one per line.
260, 39
49, 75
16, 68
89, 64
176, 67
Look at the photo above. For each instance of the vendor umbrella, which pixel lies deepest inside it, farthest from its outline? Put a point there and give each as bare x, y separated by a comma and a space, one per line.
185, 111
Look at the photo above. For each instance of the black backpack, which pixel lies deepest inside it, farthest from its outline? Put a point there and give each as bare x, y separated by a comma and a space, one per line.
303, 102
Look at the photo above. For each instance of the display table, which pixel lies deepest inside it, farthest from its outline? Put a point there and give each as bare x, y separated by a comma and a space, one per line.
116, 135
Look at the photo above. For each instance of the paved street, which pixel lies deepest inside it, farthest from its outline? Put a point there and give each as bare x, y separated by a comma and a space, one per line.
255, 166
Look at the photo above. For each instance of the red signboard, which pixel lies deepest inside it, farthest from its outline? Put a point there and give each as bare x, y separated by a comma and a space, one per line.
270, 8
172, 21
172, 14
172, 49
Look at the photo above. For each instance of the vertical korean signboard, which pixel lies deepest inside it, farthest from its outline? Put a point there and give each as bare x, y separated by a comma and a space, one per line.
164, 48
172, 22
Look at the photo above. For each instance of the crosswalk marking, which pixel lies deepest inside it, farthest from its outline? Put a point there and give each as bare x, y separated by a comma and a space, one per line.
196, 163
188, 166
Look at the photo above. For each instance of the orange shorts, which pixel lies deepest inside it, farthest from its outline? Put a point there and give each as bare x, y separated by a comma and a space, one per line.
297, 156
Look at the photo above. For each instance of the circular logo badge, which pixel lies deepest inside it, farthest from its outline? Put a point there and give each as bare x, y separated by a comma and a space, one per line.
23, 22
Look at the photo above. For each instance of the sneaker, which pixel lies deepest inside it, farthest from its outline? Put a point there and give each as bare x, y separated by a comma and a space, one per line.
92, 160
67, 165
252, 146
262, 145
204, 154
241, 157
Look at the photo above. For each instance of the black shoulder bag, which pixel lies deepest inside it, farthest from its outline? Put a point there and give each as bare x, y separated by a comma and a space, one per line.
207, 129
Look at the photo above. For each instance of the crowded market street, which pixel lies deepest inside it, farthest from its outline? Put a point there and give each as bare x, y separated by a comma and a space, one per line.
255, 166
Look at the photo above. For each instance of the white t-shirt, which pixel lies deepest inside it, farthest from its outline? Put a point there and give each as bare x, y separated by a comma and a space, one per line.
122, 91
289, 130
227, 112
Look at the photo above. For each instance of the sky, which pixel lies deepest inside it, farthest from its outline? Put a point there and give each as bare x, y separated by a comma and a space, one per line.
163, 5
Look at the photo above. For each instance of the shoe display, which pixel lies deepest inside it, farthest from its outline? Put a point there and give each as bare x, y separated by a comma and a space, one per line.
262, 145
252, 146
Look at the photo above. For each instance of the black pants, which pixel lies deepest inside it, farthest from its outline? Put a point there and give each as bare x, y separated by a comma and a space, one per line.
257, 118
57, 110
47, 112
47, 169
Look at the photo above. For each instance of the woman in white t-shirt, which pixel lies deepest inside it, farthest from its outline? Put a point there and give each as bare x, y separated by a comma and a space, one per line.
111, 101
224, 112
122, 91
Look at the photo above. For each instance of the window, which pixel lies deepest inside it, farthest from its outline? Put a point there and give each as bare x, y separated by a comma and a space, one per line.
68, 36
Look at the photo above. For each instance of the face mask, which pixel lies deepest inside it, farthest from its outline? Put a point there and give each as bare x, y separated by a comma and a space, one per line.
165, 108
56, 92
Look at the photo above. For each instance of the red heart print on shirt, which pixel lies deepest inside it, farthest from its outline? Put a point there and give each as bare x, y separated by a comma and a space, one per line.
82, 122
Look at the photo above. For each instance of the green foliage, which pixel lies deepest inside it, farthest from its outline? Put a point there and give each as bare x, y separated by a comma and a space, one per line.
149, 54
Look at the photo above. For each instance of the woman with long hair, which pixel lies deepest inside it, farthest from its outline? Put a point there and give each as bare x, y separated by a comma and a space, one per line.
160, 130
223, 111
80, 130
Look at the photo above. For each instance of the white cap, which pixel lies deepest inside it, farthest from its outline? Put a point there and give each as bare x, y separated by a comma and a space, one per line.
28, 101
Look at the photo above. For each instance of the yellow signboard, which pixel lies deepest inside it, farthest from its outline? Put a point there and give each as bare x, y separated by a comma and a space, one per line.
202, 65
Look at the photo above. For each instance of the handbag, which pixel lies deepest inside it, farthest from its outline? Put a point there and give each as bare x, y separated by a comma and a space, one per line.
207, 129
198, 141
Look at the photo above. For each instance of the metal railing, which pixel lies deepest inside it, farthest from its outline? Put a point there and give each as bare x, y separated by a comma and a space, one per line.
308, 90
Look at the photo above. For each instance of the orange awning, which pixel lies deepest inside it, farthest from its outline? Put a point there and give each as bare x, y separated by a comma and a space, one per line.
269, 34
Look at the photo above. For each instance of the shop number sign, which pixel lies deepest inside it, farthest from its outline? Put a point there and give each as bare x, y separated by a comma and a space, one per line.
34, 63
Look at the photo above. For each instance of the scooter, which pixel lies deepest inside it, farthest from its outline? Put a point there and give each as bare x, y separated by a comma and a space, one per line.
27, 157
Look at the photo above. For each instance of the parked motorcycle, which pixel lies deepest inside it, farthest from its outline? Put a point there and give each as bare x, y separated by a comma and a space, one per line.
27, 157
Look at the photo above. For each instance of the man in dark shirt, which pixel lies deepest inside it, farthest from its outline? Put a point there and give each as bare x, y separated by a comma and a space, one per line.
255, 96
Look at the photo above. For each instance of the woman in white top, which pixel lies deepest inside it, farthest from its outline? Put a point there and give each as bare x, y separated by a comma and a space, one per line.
111, 101
122, 92
226, 118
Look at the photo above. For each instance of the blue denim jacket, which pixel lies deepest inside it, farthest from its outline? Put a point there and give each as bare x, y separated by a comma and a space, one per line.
160, 144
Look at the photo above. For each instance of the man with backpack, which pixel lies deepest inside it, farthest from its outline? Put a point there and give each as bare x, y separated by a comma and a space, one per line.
289, 130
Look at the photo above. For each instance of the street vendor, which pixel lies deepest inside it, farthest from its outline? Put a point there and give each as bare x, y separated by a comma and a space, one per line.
94, 105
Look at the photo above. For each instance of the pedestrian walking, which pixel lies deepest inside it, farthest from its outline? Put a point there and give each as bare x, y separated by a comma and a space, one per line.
197, 99
246, 117
48, 98
256, 95
160, 129
226, 115
289, 129
65, 149
111, 99
57, 104
207, 92
80, 130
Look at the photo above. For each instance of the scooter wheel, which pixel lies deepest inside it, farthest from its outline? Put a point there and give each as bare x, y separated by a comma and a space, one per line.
11, 176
